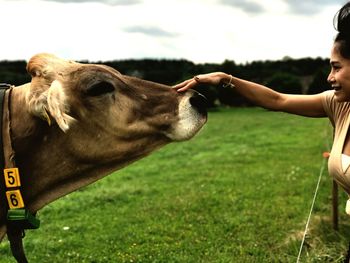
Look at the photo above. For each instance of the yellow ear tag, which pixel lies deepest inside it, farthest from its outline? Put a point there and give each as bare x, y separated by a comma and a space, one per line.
47, 117
14, 199
12, 178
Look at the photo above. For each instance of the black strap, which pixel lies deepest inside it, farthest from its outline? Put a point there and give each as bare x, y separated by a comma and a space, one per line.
14, 233
3, 88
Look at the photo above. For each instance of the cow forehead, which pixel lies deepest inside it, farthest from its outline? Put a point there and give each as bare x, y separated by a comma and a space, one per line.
91, 73
88, 74
46, 68
98, 68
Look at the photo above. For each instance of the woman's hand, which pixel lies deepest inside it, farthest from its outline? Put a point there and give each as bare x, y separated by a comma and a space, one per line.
214, 78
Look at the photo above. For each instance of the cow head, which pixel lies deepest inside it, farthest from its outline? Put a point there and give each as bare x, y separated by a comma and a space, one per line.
107, 114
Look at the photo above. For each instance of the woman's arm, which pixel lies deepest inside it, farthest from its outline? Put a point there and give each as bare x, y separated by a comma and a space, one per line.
305, 105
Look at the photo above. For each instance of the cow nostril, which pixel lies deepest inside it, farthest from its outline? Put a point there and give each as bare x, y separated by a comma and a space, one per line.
199, 102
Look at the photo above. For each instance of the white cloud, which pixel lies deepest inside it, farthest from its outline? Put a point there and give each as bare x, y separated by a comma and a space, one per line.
197, 30
246, 5
311, 7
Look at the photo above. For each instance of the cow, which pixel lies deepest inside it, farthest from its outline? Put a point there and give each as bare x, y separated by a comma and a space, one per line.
75, 123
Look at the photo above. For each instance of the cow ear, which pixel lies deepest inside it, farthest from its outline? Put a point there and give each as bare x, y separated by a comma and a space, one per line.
58, 106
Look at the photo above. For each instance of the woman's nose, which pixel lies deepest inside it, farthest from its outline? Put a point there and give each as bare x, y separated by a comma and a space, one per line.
330, 78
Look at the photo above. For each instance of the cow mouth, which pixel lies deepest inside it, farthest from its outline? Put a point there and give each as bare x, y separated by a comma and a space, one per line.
191, 117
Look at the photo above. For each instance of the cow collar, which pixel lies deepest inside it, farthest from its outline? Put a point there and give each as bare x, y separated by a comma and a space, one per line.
17, 213
18, 217
3, 88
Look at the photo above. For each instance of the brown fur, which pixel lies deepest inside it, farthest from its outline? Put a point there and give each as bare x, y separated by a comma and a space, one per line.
88, 136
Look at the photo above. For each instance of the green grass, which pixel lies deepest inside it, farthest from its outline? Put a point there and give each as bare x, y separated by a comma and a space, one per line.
240, 191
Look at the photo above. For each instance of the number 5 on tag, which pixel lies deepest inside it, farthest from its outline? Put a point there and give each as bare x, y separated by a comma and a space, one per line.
12, 177
14, 199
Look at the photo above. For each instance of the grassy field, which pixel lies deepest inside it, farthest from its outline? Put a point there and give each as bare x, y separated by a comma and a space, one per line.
240, 191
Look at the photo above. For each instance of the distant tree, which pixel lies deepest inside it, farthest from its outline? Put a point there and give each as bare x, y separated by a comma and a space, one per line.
230, 97
285, 82
319, 83
14, 78
159, 70
229, 67
14, 72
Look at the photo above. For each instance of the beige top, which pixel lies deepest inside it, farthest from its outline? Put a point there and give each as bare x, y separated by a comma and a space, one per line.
345, 162
339, 115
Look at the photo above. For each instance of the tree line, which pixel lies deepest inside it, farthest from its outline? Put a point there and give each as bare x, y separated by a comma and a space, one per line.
295, 76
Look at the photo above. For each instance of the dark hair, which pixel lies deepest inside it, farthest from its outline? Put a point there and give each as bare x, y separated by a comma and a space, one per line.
341, 23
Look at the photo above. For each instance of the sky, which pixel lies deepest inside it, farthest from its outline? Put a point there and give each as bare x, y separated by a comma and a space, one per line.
202, 31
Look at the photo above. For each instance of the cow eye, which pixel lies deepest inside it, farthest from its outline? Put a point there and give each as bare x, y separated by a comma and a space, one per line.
99, 89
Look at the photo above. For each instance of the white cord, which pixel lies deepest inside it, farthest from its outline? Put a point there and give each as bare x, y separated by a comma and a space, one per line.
312, 207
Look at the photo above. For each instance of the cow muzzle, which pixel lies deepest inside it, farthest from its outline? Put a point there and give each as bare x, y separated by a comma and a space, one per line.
200, 103
192, 116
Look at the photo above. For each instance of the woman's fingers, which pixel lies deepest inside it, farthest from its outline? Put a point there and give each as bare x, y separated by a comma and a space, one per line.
187, 84
210, 78
182, 84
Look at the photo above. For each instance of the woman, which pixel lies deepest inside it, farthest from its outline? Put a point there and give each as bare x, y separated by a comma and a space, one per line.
334, 104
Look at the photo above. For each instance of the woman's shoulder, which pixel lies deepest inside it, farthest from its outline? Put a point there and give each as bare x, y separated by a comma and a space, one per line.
334, 109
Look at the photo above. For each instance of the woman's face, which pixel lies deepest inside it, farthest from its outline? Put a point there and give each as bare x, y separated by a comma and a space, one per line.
339, 77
